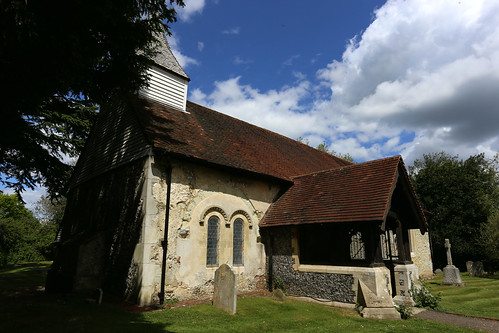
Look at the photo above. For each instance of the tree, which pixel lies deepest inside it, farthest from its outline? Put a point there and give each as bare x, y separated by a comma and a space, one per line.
50, 212
325, 148
22, 237
490, 236
58, 60
461, 195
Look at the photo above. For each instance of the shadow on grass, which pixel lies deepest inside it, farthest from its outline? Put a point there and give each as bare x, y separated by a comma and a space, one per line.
32, 311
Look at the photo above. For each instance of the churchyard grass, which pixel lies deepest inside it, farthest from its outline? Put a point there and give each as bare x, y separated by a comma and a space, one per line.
24, 309
25, 275
479, 297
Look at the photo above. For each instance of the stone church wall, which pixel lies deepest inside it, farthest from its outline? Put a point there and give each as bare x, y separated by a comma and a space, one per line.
197, 193
420, 252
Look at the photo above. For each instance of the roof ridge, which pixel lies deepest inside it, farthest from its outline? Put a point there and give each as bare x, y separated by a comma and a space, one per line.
269, 131
348, 166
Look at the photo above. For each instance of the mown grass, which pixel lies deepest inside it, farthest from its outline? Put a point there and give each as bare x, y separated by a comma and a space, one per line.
23, 309
479, 297
24, 275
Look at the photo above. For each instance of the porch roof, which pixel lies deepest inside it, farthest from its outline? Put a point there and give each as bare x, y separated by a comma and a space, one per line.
355, 193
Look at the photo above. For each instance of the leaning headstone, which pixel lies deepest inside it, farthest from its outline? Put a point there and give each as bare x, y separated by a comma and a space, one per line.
225, 295
477, 269
468, 266
451, 272
278, 295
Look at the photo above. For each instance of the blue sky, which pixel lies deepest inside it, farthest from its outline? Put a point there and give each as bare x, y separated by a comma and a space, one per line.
371, 78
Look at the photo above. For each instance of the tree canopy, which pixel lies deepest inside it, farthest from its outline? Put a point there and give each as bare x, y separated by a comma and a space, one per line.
22, 236
58, 60
462, 196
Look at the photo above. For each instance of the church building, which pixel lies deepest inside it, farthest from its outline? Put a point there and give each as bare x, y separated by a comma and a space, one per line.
167, 190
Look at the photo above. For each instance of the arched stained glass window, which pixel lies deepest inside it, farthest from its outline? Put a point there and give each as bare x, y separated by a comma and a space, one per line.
237, 242
212, 242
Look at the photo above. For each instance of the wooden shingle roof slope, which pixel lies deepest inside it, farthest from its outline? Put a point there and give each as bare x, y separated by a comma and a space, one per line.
355, 193
205, 135
165, 58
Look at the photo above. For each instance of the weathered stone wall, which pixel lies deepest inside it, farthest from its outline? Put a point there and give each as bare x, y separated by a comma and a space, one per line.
330, 286
198, 192
420, 252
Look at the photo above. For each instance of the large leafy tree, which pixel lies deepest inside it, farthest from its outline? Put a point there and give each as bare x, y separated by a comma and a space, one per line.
461, 196
22, 236
58, 60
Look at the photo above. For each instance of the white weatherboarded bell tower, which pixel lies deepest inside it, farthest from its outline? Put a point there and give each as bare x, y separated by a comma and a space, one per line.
167, 80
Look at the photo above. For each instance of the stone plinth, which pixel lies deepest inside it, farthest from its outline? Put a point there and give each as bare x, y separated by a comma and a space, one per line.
451, 272
225, 295
405, 276
375, 305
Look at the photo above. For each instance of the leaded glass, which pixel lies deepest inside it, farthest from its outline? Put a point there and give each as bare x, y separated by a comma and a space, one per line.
357, 249
212, 242
237, 244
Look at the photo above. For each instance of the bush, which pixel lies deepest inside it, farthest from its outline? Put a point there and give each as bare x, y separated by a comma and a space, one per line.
423, 298
404, 310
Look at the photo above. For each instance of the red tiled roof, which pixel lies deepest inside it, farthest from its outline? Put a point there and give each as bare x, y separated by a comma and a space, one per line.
359, 192
210, 136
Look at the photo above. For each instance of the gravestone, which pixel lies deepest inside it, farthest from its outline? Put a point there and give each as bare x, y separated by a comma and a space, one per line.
278, 295
225, 294
451, 272
477, 269
468, 266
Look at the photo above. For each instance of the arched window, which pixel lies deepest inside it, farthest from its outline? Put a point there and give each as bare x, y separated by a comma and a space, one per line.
212, 241
237, 242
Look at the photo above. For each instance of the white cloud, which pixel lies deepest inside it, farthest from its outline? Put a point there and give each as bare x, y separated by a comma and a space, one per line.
231, 31
200, 46
290, 60
183, 60
30, 197
242, 61
192, 7
277, 110
423, 77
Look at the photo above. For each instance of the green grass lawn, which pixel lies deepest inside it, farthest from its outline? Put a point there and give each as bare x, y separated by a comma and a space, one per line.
23, 309
479, 296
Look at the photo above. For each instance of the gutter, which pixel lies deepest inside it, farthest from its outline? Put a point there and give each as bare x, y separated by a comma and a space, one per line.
164, 243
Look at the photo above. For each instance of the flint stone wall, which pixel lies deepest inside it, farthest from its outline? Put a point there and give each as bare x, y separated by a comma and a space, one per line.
330, 286
333, 287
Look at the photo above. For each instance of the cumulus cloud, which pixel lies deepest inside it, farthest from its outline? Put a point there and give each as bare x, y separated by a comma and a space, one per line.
30, 197
277, 110
431, 67
423, 77
192, 7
